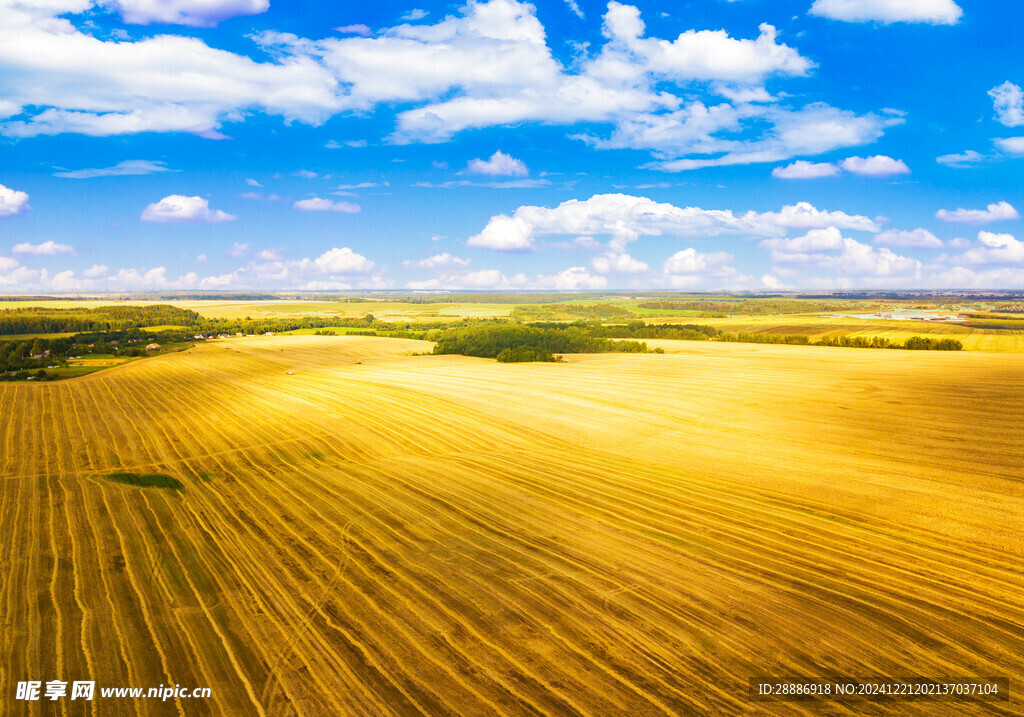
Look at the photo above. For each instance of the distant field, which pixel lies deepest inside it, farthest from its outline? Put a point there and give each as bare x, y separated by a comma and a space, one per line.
998, 332
817, 327
362, 531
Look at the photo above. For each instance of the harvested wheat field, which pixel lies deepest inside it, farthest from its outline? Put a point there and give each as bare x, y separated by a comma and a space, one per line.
613, 535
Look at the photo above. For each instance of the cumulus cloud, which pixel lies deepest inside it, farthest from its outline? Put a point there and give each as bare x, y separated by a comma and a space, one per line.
969, 158
129, 167
343, 261
194, 13
801, 169
238, 249
625, 218
963, 278
796, 249
1008, 101
95, 271
935, 12
179, 208
437, 261
995, 249
490, 65
575, 278
1000, 211
317, 204
827, 249
920, 238
165, 83
616, 263
7, 263
12, 202
1011, 145
46, 248
859, 259
690, 262
499, 164
701, 130
878, 165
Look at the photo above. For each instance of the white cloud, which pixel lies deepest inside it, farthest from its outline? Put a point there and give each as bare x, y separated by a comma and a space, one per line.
804, 215
7, 263
12, 202
9, 109
935, 12
129, 167
583, 242
499, 164
345, 188
304, 173
878, 165
801, 169
967, 159
625, 218
995, 249
317, 204
575, 278
46, 248
271, 254
615, 263
813, 241
502, 184
343, 261
694, 55
810, 130
1008, 101
818, 249
179, 208
504, 233
253, 183
859, 259
487, 66
194, 13
437, 261
165, 83
238, 249
414, 14
95, 271
774, 283
155, 278
260, 197
358, 29
963, 278
1000, 211
690, 262
920, 238
1011, 145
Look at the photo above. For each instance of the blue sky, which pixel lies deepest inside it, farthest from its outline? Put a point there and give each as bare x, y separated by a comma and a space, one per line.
569, 144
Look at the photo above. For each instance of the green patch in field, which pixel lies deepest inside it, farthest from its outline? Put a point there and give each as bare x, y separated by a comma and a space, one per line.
146, 480
206, 476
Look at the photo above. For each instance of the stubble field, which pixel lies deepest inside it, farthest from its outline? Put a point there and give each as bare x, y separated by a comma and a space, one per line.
382, 533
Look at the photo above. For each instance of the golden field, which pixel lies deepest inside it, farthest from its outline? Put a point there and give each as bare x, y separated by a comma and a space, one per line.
620, 534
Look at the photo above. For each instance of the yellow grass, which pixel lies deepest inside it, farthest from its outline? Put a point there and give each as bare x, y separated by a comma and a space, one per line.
615, 535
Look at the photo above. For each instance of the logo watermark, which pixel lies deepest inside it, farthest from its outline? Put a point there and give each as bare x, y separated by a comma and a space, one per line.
54, 690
